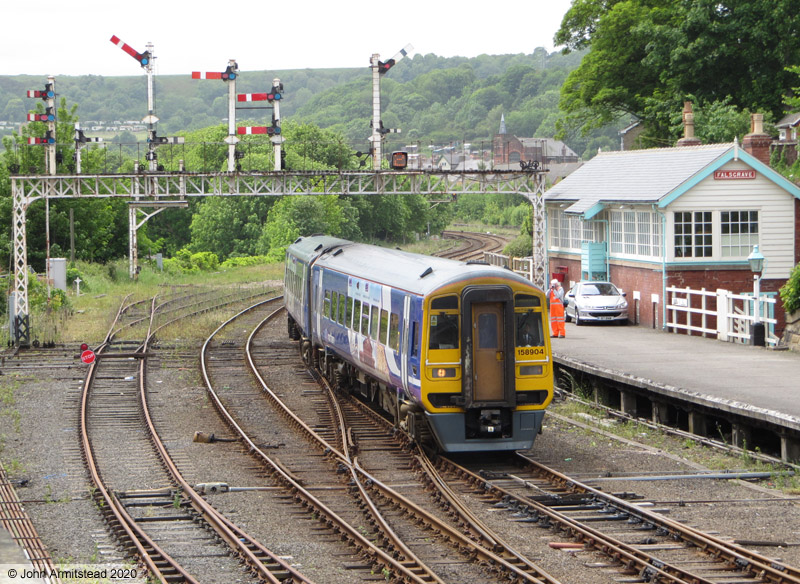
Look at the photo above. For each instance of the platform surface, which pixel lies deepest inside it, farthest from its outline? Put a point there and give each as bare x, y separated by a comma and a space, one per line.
13, 563
763, 381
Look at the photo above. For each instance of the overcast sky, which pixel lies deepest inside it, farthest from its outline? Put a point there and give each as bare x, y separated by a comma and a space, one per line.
273, 35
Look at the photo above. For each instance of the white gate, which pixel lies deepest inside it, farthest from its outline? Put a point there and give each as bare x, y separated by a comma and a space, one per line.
721, 314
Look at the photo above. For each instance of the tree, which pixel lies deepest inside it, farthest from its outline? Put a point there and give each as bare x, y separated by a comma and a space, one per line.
648, 55
229, 226
292, 217
96, 221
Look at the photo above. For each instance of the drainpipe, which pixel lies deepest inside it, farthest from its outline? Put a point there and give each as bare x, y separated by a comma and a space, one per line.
663, 267
546, 245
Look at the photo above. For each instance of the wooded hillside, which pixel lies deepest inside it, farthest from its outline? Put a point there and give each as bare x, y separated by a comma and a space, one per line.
431, 99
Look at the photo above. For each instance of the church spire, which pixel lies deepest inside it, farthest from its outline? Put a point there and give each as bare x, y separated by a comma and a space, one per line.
502, 124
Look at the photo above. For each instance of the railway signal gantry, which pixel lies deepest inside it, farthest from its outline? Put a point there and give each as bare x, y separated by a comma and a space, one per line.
167, 188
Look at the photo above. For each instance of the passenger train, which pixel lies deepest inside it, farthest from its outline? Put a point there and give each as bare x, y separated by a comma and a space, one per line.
456, 353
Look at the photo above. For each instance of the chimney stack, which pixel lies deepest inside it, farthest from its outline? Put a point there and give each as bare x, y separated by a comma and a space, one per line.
757, 143
689, 139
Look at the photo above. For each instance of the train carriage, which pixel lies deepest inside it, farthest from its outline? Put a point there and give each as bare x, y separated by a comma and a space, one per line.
455, 352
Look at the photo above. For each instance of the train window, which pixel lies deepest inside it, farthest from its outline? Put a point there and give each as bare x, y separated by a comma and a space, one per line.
528, 326
443, 331
487, 331
357, 315
414, 340
373, 329
526, 301
383, 333
365, 319
374, 322
348, 320
334, 305
394, 331
342, 302
326, 305
445, 303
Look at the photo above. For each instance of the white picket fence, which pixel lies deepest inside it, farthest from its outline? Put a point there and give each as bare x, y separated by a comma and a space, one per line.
722, 314
521, 266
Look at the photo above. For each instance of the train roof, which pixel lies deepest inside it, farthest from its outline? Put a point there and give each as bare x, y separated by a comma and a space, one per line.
417, 273
308, 248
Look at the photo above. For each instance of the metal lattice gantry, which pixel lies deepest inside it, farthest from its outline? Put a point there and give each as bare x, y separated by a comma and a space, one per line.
160, 188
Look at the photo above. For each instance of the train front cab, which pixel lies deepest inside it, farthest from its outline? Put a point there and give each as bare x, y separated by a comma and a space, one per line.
488, 374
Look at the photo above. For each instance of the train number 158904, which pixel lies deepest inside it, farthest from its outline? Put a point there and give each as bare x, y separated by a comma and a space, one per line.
530, 351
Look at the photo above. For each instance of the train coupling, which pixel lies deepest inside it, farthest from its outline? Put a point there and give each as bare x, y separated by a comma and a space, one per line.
490, 422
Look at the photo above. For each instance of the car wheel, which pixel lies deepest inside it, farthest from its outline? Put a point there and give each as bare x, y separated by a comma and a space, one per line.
567, 317
578, 321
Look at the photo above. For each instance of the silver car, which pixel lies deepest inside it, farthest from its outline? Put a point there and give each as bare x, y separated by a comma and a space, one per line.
595, 302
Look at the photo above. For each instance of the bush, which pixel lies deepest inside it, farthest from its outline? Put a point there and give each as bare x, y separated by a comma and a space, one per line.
245, 261
37, 296
521, 247
186, 262
790, 292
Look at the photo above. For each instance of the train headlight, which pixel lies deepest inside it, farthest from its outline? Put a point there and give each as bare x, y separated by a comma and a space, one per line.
531, 370
443, 372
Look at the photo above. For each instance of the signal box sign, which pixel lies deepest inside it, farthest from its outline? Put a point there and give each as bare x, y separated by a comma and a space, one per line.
734, 174
88, 357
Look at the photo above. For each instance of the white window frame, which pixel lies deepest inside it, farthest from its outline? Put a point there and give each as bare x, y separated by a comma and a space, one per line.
744, 242
567, 232
635, 233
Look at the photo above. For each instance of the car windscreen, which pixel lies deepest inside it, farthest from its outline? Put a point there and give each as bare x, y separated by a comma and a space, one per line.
599, 289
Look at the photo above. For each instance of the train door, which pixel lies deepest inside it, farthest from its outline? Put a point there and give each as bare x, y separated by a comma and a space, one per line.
404, 342
488, 369
317, 311
487, 341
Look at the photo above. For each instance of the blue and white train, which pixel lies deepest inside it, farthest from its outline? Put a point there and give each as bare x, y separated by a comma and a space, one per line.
457, 353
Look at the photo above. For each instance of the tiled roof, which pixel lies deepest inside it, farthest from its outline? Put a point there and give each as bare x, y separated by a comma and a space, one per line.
633, 175
789, 120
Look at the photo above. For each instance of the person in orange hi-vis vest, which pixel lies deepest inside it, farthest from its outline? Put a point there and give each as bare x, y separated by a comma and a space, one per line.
555, 303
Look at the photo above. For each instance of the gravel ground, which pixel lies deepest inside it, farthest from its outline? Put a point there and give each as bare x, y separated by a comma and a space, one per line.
38, 442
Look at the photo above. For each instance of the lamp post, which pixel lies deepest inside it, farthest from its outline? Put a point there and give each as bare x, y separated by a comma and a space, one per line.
758, 264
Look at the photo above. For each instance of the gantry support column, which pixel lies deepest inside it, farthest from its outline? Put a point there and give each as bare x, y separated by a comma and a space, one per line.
133, 244
539, 228
21, 310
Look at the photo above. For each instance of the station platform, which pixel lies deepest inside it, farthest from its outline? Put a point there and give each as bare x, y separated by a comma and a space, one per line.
737, 381
15, 568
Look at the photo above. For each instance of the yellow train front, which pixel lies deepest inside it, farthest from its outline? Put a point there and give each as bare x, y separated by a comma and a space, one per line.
457, 353
487, 374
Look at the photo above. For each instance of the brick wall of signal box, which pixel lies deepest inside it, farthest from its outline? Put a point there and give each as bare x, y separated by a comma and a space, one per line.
648, 282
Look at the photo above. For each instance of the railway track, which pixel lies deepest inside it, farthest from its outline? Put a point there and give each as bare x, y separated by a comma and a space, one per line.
311, 478
630, 533
637, 539
380, 507
147, 503
403, 538
471, 246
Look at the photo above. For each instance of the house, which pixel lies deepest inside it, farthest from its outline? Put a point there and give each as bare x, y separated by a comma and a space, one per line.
786, 146
449, 161
684, 216
552, 154
629, 136
788, 127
